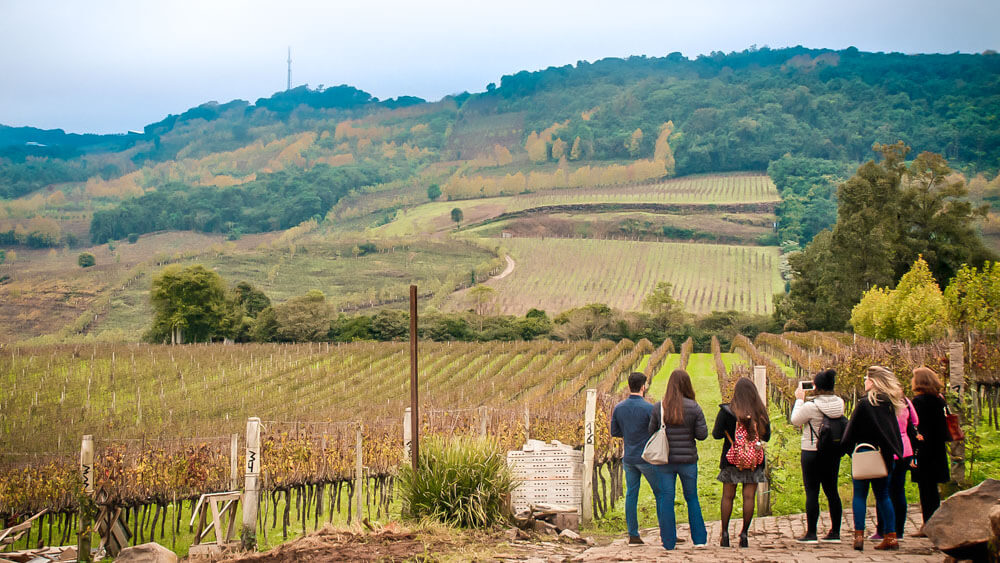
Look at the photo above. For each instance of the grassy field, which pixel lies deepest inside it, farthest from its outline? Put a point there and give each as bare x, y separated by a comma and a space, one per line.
714, 189
559, 274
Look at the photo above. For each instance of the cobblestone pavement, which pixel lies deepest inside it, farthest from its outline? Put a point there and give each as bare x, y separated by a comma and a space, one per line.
771, 539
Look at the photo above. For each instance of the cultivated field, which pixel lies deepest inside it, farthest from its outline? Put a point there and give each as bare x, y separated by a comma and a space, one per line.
559, 274
716, 189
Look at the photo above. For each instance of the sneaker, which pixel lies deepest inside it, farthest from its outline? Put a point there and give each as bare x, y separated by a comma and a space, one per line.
635, 540
875, 537
832, 537
808, 538
700, 546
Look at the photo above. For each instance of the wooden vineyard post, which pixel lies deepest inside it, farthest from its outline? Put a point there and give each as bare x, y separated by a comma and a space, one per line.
763, 489
527, 424
234, 462
251, 489
87, 473
956, 380
588, 456
358, 476
407, 436
414, 403
483, 421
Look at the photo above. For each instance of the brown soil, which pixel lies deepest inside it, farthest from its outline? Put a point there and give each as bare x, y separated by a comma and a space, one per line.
392, 543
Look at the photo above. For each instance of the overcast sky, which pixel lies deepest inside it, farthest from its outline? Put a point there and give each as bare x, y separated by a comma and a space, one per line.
114, 65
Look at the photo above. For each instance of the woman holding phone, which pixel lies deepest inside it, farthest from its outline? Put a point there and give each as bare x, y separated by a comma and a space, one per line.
820, 465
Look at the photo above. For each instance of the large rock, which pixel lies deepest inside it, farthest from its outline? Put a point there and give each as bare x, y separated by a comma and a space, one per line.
961, 527
146, 553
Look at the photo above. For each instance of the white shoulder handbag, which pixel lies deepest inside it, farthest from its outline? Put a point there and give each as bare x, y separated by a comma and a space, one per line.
657, 450
867, 464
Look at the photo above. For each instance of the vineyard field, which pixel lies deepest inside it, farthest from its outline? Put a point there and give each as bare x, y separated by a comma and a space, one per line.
559, 274
715, 189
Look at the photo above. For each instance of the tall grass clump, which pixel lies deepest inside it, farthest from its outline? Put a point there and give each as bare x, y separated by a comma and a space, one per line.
462, 482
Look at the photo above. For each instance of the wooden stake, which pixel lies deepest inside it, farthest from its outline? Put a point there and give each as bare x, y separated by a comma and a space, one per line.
251, 487
358, 476
87, 473
588, 456
234, 464
763, 489
407, 435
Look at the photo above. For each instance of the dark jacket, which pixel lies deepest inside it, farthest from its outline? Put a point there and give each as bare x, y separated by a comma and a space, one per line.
630, 421
682, 436
932, 455
726, 422
875, 425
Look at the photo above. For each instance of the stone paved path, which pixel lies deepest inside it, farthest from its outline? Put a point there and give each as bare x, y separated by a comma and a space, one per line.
771, 539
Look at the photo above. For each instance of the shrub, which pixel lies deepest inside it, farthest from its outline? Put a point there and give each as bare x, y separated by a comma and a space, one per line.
133, 238
86, 260
464, 482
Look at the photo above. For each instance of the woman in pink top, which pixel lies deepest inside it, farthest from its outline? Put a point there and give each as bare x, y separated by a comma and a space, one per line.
908, 422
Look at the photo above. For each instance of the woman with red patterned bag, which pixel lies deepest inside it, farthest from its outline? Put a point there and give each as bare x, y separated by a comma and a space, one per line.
744, 425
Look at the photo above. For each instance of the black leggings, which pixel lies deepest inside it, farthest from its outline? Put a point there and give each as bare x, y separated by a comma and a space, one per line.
930, 498
820, 471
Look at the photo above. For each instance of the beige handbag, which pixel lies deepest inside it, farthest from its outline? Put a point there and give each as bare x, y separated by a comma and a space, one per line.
867, 464
657, 450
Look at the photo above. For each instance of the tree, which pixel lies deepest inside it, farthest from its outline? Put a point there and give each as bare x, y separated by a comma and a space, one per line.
973, 299
304, 318
915, 311
889, 215
456, 215
576, 152
634, 143
251, 299
189, 305
86, 260
665, 309
433, 192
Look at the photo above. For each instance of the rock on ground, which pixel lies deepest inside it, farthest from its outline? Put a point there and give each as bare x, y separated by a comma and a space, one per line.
961, 526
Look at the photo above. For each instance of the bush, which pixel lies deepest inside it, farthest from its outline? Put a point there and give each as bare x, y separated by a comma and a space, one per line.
133, 238
86, 260
464, 482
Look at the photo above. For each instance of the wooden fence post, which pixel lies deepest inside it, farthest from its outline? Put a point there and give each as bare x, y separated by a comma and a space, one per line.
484, 416
87, 473
527, 424
358, 476
588, 456
763, 489
956, 380
251, 488
234, 462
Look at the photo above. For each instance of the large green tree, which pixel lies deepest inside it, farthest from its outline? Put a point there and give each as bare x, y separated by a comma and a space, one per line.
889, 214
189, 305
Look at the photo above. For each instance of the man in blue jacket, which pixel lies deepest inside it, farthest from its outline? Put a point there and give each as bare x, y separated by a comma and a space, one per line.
630, 421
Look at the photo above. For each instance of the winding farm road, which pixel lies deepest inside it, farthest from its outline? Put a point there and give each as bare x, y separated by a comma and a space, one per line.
508, 270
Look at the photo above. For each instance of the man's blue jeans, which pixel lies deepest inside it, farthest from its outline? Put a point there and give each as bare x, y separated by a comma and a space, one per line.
688, 472
633, 475
881, 489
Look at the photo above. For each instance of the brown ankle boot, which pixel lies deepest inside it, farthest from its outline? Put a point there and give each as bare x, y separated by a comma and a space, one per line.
889, 542
859, 540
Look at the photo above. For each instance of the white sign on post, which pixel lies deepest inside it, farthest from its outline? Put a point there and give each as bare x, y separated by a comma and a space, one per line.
588, 456
87, 463
760, 381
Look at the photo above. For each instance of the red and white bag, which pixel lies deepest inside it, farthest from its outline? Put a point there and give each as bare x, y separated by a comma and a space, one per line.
744, 452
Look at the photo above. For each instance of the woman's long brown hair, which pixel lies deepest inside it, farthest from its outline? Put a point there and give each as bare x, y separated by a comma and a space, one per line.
748, 408
678, 388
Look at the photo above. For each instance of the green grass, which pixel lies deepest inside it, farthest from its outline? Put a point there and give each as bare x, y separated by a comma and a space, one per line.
559, 274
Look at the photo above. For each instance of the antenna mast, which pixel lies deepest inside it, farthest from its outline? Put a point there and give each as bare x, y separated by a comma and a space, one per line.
289, 87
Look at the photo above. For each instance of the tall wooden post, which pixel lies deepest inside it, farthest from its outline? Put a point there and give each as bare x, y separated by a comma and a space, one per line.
87, 473
763, 489
234, 462
484, 417
358, 476
251, 488
956, 380
527, 424
588, 456
414, 403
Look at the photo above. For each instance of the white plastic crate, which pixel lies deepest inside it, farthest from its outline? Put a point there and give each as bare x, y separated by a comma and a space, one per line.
548, 473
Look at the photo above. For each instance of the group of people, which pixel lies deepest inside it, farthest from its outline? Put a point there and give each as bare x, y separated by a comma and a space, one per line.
909, 436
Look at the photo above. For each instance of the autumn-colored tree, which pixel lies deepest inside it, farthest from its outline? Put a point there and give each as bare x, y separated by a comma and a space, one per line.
576, 152
915, 311
634, 143
558, 149
973, 299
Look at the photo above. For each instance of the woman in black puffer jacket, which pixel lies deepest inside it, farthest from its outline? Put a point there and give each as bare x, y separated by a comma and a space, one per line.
685, 423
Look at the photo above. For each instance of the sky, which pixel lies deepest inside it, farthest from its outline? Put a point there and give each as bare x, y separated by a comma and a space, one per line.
109, 66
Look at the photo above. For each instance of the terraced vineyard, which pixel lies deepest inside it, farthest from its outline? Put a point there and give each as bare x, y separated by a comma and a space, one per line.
713, 189
559, 274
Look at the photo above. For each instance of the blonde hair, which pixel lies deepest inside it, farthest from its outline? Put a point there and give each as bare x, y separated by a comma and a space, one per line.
884, 382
